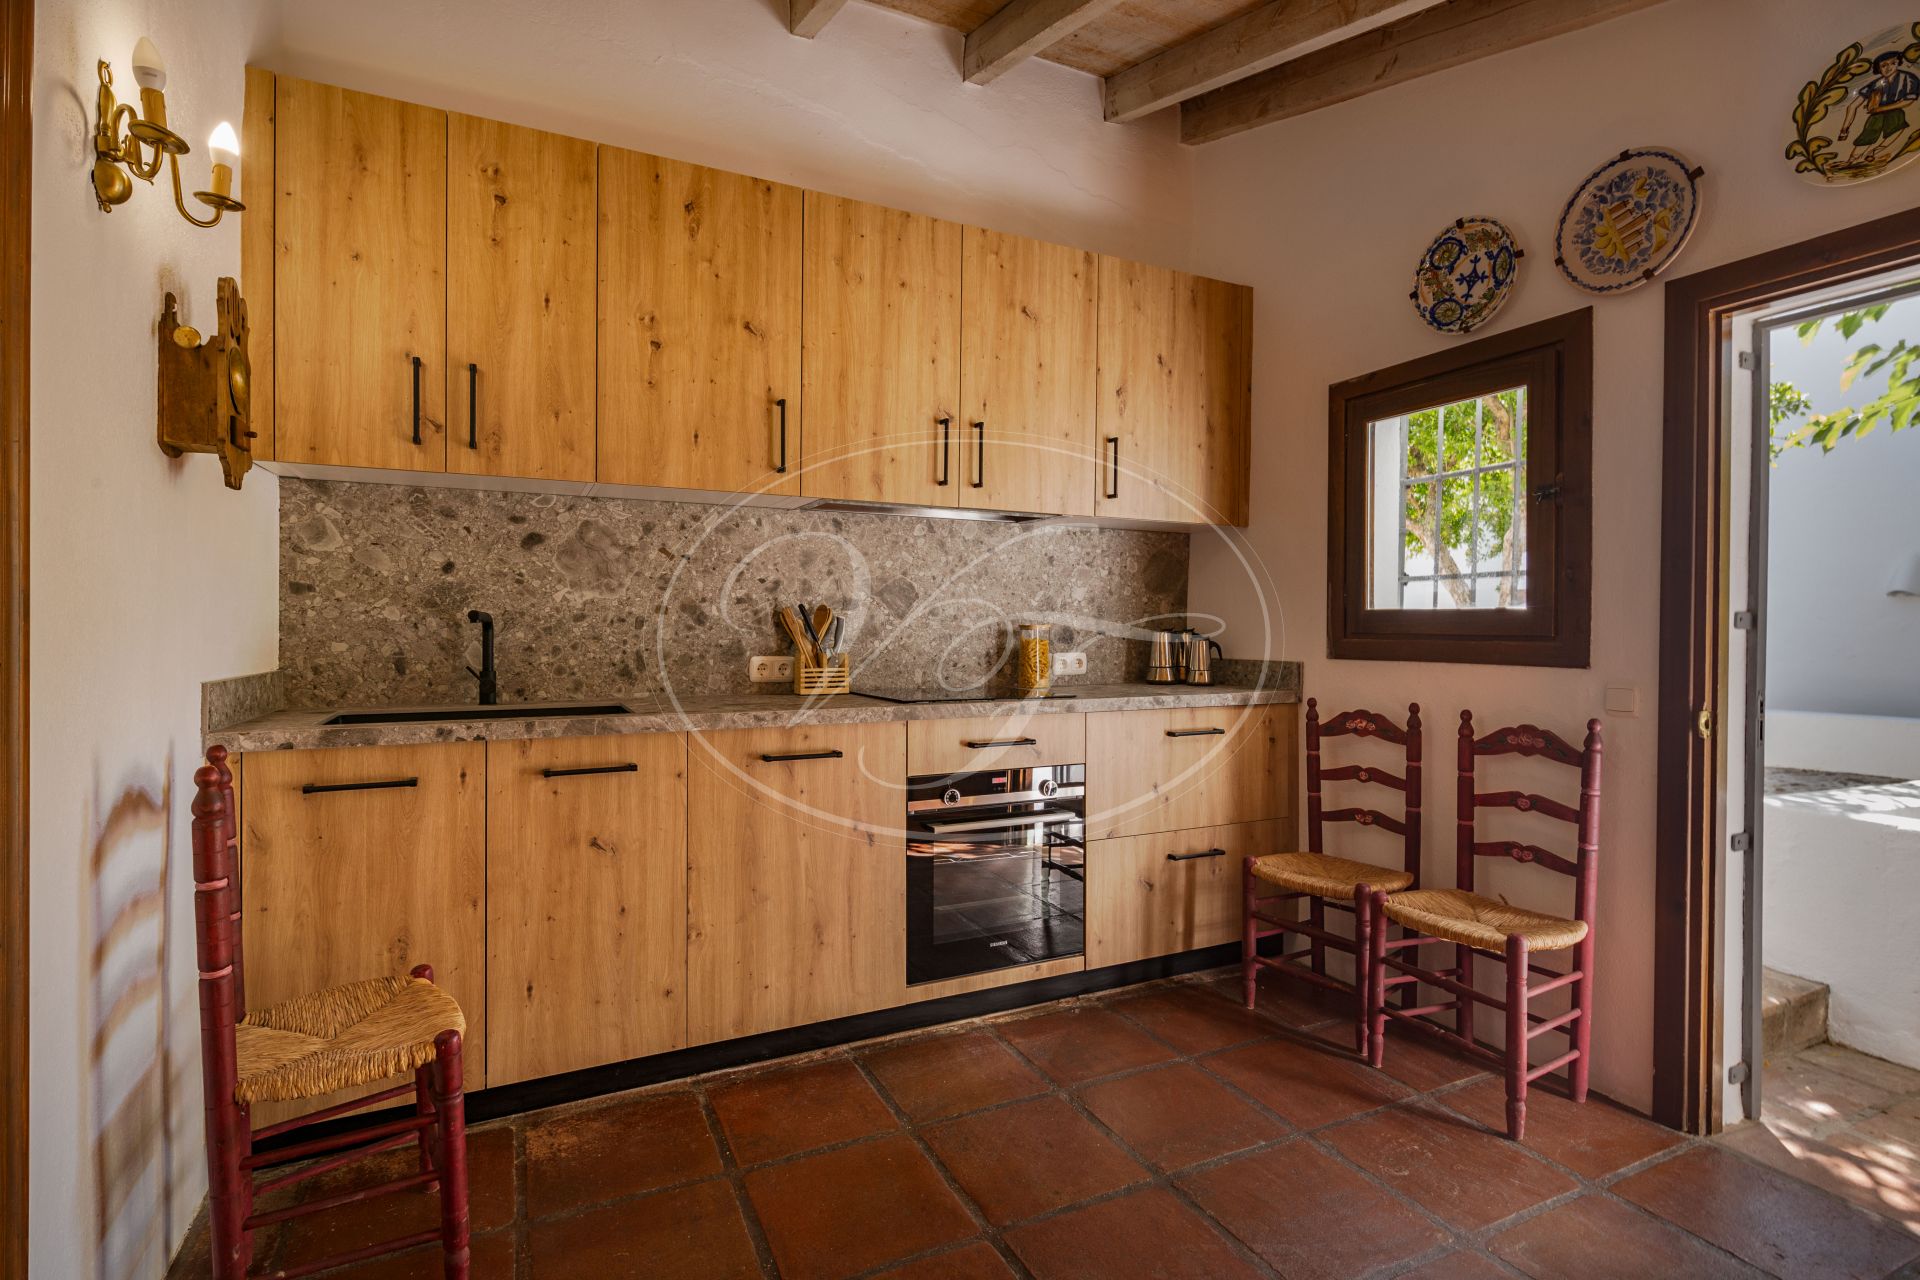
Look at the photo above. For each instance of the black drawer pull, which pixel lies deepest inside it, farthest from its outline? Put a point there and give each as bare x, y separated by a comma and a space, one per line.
597, 768
803, 755
473, 406
1189, 857
320, 788
946, 452
1194, 733
980, 457
1113, 481
978, 744
782, 468
416, 398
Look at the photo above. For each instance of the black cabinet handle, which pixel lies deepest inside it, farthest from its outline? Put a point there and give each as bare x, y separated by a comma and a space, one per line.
980, 455
416, 398
1113, 474
598, 768
803, 755
782, 468
321, 788
473, 406
1194, 733
1189, 857
946, 452
978, 743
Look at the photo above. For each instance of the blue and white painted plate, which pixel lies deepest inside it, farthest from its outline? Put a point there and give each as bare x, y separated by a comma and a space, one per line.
1465, 274
1628, 220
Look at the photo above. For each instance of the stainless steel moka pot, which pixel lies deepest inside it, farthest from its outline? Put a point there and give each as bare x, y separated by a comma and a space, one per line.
1164, 653
1198, 653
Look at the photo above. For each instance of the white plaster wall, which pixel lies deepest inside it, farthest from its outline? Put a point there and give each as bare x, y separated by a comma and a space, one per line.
1325, 216
148, 576
1882, 746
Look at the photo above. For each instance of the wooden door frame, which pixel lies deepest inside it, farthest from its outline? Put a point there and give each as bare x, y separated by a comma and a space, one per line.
1695, 555
16, 219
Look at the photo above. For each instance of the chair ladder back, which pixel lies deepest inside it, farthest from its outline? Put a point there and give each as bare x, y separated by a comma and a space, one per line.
1362, 723
1530, 740
217, 756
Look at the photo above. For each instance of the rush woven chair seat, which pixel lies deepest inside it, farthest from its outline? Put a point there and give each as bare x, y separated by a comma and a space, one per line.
1325, 875
341, 1038
1486, 923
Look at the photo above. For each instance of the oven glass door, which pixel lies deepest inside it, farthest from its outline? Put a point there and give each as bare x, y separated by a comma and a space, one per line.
986, 893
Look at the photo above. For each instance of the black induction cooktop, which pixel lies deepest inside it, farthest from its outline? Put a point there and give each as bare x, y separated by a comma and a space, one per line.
935, 694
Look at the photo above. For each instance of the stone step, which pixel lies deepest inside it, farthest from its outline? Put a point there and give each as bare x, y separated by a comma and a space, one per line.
1793, 1013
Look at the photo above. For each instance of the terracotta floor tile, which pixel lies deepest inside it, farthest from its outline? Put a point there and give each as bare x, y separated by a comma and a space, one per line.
1451, 1167
1809, 1095
1461, 1264
1850, 1164
1179, 1115
589, 1155
1593, 1138
1419, 1061
1308, 1215
1148, 1233
976, 1261
1308, 1084
688, 1233
1597, 1236
1866, 1068
946, 1075
1292, 1002
1776, 1222
492, 1259
782, 1112
1194, 1017
1082, 1043
860, 1207
1029, 1158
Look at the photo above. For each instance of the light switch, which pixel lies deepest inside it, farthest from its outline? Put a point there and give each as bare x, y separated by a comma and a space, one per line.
1622, 700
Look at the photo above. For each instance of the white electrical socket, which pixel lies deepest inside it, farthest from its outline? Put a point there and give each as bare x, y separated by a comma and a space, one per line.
1069, 664
769, 670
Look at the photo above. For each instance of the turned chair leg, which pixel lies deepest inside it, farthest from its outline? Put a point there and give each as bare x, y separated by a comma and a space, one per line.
423, 1096
450, 1105
1317, 917
1376, 1000
1583, 1025
1463, 1010
1249, 934
1362, 964
1516, 1038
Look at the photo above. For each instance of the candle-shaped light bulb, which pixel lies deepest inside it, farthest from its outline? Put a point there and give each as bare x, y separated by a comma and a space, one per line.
225, 145
149, 68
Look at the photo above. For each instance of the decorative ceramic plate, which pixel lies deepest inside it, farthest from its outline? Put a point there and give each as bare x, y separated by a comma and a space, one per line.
1628, 220
1861, 117
1465, 274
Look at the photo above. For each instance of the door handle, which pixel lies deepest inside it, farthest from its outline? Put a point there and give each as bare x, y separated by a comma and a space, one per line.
782, 758
322, 788
1194, 733
598, 768
978, 744
1189, 857
946, 452
1113, 473
781, 404
980, 455
416, 398
473, 405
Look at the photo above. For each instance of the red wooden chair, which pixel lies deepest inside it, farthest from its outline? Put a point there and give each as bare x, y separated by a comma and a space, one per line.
1326, 881
1476, 923
306, 1047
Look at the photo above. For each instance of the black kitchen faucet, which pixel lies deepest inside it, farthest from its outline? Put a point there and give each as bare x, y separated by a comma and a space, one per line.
489, 681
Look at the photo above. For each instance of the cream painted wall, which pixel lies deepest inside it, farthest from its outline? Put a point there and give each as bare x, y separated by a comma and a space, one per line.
1325, 216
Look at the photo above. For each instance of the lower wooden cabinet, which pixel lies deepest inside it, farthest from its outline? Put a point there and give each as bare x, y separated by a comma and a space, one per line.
362, 864
1174, 891
796, 876
586, 902
1019, 741
1179, 769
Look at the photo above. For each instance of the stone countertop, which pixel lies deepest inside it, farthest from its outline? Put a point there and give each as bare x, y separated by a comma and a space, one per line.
656, 713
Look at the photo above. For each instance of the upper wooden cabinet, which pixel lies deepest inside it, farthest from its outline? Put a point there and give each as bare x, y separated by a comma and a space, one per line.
881, 371
1028, 350
520, 318
1175, 396
699, 327
360, 236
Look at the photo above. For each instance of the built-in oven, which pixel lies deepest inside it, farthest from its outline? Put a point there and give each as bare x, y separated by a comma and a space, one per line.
996, 869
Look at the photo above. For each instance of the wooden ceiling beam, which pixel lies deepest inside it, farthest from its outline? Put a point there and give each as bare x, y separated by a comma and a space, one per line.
1021, 29
1266, 37
1447, 35
808, 17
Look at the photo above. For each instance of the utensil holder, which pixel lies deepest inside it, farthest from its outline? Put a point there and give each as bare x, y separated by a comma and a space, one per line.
833, 676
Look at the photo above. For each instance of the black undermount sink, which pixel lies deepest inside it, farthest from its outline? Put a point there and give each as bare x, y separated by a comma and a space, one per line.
476, 713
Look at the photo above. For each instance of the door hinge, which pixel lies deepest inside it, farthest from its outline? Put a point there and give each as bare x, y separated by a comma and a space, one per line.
1742, 842
1703, 723
1745, 359
1745, 620
1737, 1073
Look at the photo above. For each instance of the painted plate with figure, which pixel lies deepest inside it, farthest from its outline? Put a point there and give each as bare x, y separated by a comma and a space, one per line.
1628, 220
1860, 117
1465, 275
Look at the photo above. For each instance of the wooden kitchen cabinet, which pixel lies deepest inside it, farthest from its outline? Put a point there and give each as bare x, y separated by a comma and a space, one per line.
586, 902
796, 877
1028, 352
1018, 741
360, 292
1155, 895
881, 362
1179, 769
520, 216
699, 327
362, 862
1175, 395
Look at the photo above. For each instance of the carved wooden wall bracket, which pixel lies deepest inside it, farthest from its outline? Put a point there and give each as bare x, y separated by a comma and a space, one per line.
204, 386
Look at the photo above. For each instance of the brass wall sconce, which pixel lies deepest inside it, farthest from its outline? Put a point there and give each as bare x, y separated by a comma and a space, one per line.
205, 391
130, 144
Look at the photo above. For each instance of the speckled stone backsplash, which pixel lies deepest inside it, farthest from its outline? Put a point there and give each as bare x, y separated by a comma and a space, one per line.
598, 597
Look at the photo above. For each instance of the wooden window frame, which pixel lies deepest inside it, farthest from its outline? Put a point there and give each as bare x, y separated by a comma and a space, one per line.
1554, 361
16, 223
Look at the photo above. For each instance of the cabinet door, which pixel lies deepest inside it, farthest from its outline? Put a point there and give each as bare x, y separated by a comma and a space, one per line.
1019, 741
796, 877
699, 327
1175, 395
520, 316
1176, 891
586, 902
1150, 771
360, 293
366, 881
881, 373
1027, 350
